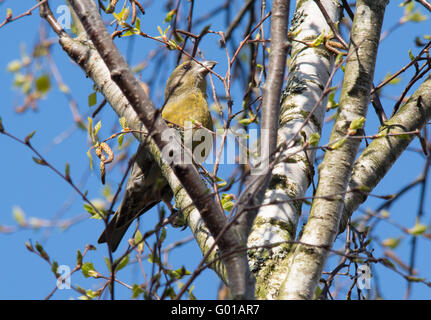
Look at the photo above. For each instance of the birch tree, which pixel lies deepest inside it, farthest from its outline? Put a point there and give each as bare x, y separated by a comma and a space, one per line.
299, 77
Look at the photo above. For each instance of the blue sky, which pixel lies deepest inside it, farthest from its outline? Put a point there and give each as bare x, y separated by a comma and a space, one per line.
42, 194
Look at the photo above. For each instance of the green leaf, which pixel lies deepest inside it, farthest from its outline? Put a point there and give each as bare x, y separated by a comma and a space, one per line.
170, 15
90, 157
137, 290
78, 258
332, 104
415, 279
138, 24
92, 99
19, 216
416, 16
169, 292
228, 205
138, 241
411, 56
162, 235
338, 144
384, 214
179, 273
43, 84
92, 211
122, 263
92, 294
358, 123
39, 161
172, 45
138, 237
97, 127
363, 188
54, 267
14, 66
90, 128
418, 229
339, 59
246, 121
226, 201
314, 139
122, 16
120, 140
64, 88
88, 269
204, 30
29, 136
319, 40
123, 122
29, 246
391, 242
108, 263
395, 80
41, 251
190, 293
130, 32
178, 37
222, 183
67, 170
153, 259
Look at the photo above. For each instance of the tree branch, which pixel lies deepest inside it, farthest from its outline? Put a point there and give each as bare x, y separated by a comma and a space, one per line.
335, 171
376, 159
302, 113
254, 192
185, 174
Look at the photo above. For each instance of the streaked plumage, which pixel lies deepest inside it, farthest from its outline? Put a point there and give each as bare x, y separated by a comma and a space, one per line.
185, 96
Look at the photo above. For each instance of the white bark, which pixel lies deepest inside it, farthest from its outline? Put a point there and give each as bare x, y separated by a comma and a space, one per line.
91, 62
310, 256
309, 71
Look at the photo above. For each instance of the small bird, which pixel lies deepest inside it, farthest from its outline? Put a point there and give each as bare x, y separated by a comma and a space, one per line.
185, 100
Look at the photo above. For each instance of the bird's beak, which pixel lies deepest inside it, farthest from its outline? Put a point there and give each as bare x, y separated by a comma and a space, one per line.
208, 65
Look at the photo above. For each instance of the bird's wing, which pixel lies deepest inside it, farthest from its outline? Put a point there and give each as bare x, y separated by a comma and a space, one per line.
145, 188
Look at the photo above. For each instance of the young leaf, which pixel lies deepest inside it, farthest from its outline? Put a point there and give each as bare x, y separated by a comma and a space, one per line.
120, 140
314, 139
170, 15
67, 171
338, 144
418, 229
39, 161
29, 136
43, 84
90, 157
97, 127
78, 258
92, 99
123, 122
122, 263
137, 290
391, 242
87, 269
19, 216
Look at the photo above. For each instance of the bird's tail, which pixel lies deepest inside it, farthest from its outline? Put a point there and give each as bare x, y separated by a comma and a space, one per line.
114, 233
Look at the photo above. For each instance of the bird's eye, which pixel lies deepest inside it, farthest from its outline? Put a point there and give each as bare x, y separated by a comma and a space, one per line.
186, 66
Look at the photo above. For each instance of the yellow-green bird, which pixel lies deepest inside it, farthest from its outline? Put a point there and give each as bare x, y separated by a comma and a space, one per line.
185, 96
